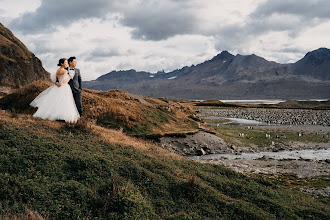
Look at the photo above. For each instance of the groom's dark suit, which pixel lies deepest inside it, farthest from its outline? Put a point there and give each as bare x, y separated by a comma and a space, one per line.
75, 84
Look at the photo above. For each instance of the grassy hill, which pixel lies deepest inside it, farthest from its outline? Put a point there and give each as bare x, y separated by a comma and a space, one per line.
136, 115
99, 168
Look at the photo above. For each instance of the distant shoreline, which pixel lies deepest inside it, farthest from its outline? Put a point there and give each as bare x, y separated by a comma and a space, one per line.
260, 101
267, 101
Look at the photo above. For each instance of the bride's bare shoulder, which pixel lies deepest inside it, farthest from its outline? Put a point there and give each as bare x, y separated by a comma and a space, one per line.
61, 71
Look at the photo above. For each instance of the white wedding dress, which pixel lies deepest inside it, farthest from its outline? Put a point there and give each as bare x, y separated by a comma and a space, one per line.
57, 103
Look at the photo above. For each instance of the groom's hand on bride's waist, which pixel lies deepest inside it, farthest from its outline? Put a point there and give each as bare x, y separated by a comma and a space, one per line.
58, 84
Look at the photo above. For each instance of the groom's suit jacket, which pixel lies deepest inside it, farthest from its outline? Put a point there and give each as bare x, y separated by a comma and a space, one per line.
75, 82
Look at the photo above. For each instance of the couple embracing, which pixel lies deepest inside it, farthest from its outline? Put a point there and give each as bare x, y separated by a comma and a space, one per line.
62, 101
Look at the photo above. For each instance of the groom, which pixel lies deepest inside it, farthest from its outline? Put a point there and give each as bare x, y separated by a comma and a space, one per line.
75, 83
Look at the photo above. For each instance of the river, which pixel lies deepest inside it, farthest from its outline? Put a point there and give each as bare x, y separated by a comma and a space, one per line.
319, 155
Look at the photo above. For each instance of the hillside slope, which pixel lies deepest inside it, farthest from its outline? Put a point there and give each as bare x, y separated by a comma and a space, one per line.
97, 169
136, 115
60, 171
18, 66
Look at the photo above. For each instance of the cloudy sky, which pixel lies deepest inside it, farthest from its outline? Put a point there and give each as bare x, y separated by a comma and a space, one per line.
152, 35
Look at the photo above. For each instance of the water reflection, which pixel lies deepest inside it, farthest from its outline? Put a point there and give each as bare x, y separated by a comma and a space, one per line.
237, 121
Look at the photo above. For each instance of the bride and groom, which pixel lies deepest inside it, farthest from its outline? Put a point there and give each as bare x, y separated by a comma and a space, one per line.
62, 101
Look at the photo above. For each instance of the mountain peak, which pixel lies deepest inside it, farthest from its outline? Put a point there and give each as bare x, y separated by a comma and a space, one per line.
321, 52
316, 57
315, 64
223, 56
225, 52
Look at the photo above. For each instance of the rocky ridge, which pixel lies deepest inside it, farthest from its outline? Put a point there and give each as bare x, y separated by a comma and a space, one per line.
18, 66
226, 76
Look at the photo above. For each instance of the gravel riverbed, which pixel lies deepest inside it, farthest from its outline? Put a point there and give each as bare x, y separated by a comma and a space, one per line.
273, 116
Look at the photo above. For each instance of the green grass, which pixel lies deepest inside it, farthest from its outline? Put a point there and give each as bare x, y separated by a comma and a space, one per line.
291, 181
151, 118
71, 174
257, 136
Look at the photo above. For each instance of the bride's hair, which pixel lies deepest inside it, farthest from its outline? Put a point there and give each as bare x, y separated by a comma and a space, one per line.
61, 61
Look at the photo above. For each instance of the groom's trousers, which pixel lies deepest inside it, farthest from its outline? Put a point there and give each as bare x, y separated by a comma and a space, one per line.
78, 101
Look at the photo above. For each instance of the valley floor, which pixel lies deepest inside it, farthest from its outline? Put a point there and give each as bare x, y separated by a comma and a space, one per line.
229, 140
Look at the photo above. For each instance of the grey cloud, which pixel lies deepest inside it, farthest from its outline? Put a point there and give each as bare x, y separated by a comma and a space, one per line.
100, 52
150, 19
232, 37
43, 46
159, 21
59, 13
292, 16
290, 49
304, 8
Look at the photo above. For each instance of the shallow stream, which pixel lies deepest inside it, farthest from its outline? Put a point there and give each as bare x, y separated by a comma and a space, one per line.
319, 155
236, 121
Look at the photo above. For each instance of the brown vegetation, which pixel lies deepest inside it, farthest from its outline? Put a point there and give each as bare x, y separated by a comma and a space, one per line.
28, 215
114, 136
303, 104
115, 109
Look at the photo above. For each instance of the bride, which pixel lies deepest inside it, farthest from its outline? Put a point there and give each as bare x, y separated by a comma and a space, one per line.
56, 102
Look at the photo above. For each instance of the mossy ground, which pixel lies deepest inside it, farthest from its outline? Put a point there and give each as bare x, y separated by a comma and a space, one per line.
72, 172
257, 136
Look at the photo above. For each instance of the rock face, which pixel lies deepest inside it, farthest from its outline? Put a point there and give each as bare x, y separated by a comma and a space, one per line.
226, 76
200, 143
18, 66
315, 64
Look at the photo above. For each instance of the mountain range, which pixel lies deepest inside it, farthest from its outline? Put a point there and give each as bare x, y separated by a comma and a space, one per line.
227, 76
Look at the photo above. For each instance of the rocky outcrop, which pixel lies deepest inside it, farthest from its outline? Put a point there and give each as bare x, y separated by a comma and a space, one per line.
18, 66
200, 143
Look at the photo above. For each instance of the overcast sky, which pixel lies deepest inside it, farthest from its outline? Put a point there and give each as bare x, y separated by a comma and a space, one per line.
153, 35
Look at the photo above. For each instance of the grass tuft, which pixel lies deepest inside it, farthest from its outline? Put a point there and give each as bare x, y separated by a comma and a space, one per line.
192, 178
27, 215
81, 125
